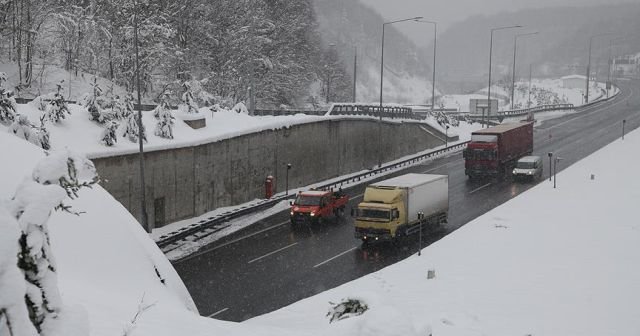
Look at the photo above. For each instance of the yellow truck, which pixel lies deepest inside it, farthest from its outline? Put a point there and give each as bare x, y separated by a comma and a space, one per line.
392, 208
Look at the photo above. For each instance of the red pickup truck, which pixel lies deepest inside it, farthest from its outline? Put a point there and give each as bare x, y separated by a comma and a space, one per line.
314, 206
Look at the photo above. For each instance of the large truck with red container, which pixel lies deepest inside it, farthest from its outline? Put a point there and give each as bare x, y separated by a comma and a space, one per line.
493, 151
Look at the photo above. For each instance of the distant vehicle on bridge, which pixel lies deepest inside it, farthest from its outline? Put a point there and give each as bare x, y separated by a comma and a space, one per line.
494, 150
391, 208
314, 206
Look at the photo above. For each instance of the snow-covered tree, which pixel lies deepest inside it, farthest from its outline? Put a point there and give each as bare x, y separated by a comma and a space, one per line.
56, 177
109, 137
24, 129
100, 107
189, 103
131, 129
164, 117
240, 108
57, 108
7, 107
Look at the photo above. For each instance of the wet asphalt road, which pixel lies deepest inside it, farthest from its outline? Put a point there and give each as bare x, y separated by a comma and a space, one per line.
269, 265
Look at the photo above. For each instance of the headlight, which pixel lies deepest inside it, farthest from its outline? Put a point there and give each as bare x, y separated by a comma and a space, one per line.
514, 172
530, 172
313, 214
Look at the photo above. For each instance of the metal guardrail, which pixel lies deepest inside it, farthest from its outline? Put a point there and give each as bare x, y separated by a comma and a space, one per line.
214, 221
392, 112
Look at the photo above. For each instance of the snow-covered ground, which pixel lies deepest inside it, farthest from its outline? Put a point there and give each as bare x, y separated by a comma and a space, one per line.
549, 262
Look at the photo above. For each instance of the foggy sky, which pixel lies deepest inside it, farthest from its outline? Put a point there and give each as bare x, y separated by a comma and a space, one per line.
448, 12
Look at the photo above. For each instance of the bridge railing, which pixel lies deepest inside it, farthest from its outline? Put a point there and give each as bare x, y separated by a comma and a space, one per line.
387, 111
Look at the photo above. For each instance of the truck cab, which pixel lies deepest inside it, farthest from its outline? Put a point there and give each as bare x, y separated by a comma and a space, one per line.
379, 215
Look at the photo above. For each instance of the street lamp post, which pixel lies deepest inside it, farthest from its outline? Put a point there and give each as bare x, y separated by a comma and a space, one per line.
490, 55
529, 99
286, 183
381, 84
550, 154
586, 95
141, 135
420, 219
513, 71
555, 170
624, 121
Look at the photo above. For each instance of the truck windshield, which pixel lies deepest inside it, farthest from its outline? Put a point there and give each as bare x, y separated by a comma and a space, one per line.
307, 200
374, 213
479, 154
525, 165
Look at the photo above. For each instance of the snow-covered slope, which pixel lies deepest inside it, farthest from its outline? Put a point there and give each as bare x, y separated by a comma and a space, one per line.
106, 262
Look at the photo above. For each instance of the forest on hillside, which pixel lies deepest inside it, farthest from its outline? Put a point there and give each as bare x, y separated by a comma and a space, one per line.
230, 46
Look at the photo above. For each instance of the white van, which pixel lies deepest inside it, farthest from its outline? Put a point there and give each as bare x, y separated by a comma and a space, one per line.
528, 167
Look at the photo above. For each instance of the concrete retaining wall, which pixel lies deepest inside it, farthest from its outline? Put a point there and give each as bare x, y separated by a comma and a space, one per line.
187, 182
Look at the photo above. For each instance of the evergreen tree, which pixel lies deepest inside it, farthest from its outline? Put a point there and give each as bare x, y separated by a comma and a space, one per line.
7, 107
57, 109
162, 113
188, 101
131, 129
109, 137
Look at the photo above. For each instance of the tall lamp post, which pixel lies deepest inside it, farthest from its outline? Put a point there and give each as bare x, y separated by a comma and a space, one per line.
513, 71
433, 72
143, 203
381, 84
490, 54
586, 95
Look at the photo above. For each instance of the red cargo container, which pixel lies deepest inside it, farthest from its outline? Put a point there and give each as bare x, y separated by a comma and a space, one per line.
492, 151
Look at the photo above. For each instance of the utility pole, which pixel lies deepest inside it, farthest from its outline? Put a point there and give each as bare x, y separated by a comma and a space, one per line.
143, 202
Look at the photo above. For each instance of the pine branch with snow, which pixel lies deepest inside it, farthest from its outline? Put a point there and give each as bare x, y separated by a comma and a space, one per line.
14, 316
165, 119
56, 177
24, 129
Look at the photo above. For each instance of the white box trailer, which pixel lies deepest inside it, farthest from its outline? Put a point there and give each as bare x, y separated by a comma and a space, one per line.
390, 208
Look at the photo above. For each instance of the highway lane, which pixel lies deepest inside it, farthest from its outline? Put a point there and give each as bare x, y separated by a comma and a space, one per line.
270, 265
